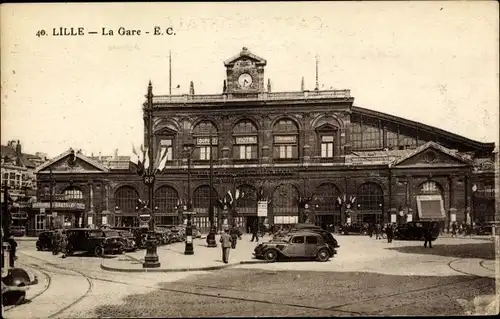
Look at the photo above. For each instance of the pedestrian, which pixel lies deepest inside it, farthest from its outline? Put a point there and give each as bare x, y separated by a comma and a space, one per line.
390, 232
378, 231
370, 230
13, 247
225, 240
428, 236
64, 244
454, 229
255, 234
235, 234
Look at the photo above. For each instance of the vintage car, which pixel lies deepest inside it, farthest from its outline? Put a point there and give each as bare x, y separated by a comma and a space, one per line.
299, 244
95, 241
17, 231
353, 229
45, 241
486, 228
416, 230
128, 240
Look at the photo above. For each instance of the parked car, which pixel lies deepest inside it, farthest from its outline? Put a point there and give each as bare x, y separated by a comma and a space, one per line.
17, 231
95, 241
327, 236
416, 230
486, 228
353, 229
45, 241
300, 244
128, 240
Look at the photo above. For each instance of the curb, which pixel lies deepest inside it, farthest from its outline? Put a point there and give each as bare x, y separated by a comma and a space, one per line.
104, 267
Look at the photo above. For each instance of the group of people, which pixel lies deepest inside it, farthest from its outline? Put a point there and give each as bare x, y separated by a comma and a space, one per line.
462, 228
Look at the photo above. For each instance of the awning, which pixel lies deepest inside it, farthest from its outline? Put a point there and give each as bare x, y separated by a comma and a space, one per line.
430, 207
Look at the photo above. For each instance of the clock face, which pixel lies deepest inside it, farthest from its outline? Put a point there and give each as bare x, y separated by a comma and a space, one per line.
245, 80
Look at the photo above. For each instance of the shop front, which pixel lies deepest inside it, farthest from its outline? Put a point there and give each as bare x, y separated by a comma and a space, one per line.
64, 215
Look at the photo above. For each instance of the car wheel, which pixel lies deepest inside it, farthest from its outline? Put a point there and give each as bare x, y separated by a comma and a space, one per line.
98, 251
271, 255
38, 247
323, 255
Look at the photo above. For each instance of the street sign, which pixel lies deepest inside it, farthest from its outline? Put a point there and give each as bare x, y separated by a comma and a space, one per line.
262, 208
145, 215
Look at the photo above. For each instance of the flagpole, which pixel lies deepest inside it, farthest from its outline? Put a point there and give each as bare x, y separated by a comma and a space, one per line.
169, 73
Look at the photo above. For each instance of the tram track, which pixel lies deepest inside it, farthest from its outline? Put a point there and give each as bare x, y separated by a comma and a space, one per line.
307, 308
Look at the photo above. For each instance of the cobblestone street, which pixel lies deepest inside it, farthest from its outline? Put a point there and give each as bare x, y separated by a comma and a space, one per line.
367, 277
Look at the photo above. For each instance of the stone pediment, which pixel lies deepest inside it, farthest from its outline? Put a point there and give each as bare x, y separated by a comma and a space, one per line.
72, 162
429, 155
245, 55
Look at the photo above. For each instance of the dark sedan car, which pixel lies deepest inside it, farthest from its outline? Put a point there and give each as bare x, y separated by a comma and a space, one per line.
45, 240
95, 241
416, 230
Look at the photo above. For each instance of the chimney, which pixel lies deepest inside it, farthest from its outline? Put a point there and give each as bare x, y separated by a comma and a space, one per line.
99, 155
269, 85
302, 88
116, 153
18, 149
191, 88
224, 87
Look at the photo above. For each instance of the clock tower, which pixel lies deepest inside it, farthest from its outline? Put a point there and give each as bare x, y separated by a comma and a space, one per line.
245, 74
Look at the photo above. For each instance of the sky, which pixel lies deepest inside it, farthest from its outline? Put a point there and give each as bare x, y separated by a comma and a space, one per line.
431, 62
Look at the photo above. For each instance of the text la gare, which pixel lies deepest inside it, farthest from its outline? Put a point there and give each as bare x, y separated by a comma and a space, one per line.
121, 31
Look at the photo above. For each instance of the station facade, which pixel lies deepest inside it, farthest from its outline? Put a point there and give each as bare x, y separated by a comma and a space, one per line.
311, 155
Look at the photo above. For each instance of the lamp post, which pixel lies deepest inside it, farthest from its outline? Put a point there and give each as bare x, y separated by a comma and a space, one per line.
211, 242
51, 185
189, 249
151, 259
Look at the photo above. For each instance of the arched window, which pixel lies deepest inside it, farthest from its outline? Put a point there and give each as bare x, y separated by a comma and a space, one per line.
201, 199
325, 199
370, 197
201, 134
286, 139
245, 140
73, 194
247, 201
285, 200
166, 199
126, 199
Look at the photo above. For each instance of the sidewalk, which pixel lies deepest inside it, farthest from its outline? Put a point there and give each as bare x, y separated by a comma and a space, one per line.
172, 258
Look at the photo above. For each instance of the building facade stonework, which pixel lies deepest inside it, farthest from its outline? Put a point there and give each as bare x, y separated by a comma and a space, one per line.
307, 153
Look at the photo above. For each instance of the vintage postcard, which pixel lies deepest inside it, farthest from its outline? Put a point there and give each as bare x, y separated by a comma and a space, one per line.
266, 159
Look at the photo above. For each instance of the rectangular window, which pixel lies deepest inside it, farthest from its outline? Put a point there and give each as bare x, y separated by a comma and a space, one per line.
39, 222
311, 240
326, 150
246, 152
204, 153
166, 145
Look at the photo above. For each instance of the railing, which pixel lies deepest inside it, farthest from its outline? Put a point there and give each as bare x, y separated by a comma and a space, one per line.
263, 96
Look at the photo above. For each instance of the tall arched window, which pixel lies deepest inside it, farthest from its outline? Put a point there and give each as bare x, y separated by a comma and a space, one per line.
201, 199
370, 197
126, 199
245, 140
73, 194
284, 204
247, 201
166, 198
325, 199
286, 139
201, 134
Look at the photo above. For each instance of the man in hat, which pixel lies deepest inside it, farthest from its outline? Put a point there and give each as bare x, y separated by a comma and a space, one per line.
225, 240
235, 234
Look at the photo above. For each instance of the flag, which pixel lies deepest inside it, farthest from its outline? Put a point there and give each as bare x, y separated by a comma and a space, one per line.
140, 167
134, 151
157, 159
134, 159
163, 160
339, 200
237, 195
146, 160
230, 195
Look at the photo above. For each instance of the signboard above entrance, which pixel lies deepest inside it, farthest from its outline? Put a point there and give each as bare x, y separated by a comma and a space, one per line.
59, 205
262, 208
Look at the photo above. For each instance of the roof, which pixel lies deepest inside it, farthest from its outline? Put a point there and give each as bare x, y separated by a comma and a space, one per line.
11, 154
476, 144
78, 155
434, 145
244, 53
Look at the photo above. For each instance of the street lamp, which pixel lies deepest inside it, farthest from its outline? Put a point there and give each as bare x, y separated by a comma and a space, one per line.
51, 185
151, 259
189, 249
